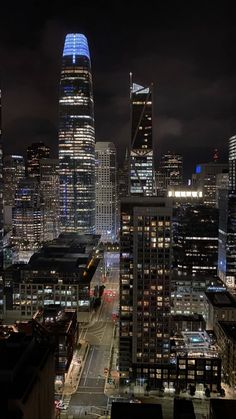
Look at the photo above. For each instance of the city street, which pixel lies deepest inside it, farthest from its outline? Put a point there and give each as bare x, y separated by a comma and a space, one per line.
99, 335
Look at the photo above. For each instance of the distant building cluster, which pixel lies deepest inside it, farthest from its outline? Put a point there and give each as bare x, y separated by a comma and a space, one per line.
176, 243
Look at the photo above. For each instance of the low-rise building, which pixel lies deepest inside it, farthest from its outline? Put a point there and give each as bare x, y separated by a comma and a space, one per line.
60, 273
197, 360
219, 306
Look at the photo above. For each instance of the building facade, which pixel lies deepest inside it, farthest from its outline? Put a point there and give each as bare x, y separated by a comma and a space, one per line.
13, 172
226, 340
145, 258
35, 152
205, 178
1, 215
106, 191
49, 191
220, 306
227, 223
27, 227
76, 138
59, 273
171, 167
141, 149
196, 239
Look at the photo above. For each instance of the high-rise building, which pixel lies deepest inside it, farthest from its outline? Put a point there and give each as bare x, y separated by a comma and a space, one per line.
171, 168
145, 261
205, 179
106, 191
1, 217
49, 190
27, 218
123, 178
35, 152
76, 138
195, 235
227, 223
141, 149
13, 172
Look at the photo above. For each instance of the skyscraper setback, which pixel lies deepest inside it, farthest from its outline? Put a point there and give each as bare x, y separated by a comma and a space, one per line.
76, 138
141, 151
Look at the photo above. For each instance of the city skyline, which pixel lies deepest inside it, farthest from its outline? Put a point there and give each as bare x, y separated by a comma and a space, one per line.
188, 56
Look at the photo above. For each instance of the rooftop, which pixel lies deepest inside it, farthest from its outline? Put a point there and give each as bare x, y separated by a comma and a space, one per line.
221, 299
229, 328
55, 319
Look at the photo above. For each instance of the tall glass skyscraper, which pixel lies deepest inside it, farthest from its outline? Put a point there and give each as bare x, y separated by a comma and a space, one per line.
76, 138
227, 223
141, 153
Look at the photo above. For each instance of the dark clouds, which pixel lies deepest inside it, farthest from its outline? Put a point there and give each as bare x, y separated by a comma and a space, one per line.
187, 53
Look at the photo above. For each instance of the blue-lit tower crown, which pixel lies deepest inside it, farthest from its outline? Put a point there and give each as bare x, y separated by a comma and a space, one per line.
76, 138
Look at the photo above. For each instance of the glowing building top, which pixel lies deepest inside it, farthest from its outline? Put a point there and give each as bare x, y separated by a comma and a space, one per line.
76, 44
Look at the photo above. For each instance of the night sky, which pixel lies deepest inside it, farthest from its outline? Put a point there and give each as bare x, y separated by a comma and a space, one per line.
187, 51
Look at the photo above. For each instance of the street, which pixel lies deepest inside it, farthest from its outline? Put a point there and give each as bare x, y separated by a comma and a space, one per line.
99, 335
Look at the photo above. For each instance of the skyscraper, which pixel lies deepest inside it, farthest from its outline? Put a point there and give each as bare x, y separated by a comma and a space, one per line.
227, 223
76, 138
49, 191
1, 218
27, 219
141, 150
35, 152
13, 172
106, 191
205, 177
172, 169
145, 261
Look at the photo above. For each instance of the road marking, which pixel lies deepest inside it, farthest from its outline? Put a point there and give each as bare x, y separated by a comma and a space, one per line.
88, 368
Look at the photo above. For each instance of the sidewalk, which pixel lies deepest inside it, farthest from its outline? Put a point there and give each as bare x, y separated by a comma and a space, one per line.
76, 369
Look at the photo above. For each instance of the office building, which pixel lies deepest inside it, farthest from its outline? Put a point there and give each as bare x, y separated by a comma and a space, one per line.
205, 179
222, 182
59, 273
196, 240
123, 178
145, 260
141, 149
49, 191
76, 138
13, 172
1, 216
188, 293
171, 166
27, 219
106, 191
227, 223
35, 152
